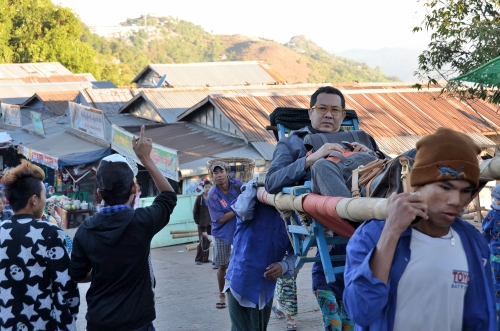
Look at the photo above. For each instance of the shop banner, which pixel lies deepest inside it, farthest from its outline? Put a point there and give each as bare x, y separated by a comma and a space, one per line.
11, 114
36, 118
165, 158
88, 120
34, 156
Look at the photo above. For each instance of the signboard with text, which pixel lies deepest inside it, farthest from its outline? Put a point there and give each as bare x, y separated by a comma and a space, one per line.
36, 118
88, 120
11, 114
165, 158
34, 156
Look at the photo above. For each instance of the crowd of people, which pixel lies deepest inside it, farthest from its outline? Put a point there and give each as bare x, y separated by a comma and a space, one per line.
422, 268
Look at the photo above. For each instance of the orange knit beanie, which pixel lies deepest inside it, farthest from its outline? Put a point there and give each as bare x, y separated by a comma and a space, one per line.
445, 155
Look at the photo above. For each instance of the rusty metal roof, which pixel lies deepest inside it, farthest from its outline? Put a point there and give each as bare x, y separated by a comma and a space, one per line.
170, 103
19, 93
57, 102
395, 117
197, 145
214, 73
107, 100
26, 70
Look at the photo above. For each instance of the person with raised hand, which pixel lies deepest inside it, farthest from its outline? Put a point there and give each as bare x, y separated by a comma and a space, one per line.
112, 248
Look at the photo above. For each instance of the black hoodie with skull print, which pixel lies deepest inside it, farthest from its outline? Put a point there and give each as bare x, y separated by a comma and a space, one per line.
36, 292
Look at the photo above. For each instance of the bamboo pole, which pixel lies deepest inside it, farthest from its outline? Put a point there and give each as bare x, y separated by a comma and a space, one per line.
191, 247
185, 235
183, 231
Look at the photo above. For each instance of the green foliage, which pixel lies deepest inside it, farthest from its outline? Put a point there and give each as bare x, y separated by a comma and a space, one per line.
465, 35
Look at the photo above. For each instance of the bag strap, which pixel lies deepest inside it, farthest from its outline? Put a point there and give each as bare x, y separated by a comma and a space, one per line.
405, 170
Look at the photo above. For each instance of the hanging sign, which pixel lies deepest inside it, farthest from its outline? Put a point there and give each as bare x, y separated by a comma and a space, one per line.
165, 158
88, 120
36, 118
11, 114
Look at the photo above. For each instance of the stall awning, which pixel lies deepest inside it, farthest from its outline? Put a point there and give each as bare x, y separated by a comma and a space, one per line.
66, 148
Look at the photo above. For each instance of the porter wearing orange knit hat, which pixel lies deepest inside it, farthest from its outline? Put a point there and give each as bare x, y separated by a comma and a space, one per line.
445, 155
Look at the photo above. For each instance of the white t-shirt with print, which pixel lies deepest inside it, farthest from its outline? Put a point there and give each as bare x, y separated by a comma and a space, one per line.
432, 288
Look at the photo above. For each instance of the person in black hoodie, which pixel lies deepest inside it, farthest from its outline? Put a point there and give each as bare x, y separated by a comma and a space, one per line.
112, 248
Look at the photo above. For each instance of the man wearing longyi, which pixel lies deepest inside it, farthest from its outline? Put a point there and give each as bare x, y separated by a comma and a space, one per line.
432, 274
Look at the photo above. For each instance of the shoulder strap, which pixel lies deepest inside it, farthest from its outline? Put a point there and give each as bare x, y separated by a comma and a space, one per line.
237, 187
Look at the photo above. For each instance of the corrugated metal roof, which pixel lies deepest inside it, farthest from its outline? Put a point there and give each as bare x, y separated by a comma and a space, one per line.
55, 101
394, 117
266, 149
19, 93
107, 100
193, 142
214, 73
103, 84
63, 144
172, 103
52, 125
41, 69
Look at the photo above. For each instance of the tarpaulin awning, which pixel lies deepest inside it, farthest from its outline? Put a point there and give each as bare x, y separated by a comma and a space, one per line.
79, 171
488, 74
67, 149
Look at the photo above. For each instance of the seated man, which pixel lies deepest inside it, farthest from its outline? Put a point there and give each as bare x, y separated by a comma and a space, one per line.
434, 274
291, 166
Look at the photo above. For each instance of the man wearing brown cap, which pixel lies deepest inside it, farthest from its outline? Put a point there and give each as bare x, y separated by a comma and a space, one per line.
424, 268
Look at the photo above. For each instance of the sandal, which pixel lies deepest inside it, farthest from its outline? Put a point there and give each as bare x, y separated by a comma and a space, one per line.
291, 327
220, 305
278, 313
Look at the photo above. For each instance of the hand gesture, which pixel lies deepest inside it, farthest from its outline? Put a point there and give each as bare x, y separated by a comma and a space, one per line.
273, 271
402, 209
141, 145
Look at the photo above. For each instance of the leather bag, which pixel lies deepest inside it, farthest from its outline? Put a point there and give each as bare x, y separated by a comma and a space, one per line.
381, 178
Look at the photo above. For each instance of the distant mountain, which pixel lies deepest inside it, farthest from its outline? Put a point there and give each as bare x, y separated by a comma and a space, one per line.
398, 62
170, 40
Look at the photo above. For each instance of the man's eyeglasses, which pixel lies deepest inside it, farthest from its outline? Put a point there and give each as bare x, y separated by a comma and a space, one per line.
336, 111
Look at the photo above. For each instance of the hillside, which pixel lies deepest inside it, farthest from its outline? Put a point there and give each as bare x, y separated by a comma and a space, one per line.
41, 31
392, 61
168, 40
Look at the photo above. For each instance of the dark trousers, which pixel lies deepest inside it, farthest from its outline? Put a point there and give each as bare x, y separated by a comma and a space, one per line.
203, 249
248, 319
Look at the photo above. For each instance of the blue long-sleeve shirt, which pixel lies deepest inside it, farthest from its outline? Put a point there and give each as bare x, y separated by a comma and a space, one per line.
372, 304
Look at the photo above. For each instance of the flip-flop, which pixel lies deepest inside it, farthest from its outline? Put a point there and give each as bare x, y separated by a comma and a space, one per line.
278, 313
291, 327
220, 305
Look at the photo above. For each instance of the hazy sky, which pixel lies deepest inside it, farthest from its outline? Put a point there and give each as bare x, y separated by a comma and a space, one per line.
334, 25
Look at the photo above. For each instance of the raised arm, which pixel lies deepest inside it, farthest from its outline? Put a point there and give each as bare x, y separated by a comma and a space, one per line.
142, 147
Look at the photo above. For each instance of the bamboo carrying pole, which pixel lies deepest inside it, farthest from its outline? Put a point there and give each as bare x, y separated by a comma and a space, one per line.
185, 235
353, 209
183, 231
361, 209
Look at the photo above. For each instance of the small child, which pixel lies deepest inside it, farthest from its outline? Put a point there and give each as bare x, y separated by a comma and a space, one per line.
491, 231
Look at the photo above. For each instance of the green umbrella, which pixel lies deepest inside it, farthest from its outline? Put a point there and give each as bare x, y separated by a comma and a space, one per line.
488, 73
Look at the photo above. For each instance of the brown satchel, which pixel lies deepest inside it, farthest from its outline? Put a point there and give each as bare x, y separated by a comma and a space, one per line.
380, 178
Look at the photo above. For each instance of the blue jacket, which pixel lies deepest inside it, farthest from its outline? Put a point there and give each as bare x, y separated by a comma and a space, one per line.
260, 240
372, 305
218, 205
491, 230
289, 161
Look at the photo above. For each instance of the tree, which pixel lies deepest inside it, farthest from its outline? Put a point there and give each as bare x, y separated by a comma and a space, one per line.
465, 35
